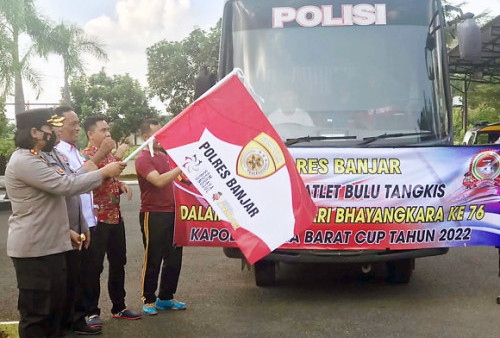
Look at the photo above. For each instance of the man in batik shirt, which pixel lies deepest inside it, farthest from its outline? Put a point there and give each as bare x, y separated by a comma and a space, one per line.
108, 236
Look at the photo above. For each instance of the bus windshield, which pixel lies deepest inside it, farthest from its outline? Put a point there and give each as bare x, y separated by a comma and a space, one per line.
343, 80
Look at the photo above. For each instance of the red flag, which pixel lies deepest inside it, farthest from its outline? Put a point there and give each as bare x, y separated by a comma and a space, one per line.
227, 148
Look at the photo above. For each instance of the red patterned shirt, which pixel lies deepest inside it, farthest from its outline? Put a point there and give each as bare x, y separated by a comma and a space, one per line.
107, 196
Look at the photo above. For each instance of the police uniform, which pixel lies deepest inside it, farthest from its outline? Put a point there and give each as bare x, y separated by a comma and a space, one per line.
38, 235
74, 311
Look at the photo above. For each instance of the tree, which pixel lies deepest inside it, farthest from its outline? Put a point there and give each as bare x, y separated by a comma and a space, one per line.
5, 63
6, 127
172, 66
70, 42
119, 97
482, 99
18, 18
7, 146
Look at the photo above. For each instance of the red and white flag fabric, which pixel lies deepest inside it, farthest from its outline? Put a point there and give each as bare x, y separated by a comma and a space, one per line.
227, 148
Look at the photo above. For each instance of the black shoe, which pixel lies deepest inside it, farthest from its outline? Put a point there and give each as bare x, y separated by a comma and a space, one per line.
84, 329
66, 333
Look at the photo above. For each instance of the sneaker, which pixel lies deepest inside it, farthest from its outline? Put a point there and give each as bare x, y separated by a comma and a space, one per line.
170, 304
94, 321
85, 329
127, 314
149, 309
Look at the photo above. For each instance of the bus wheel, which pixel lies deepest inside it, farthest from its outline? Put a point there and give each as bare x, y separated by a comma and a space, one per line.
399, 271
265, 273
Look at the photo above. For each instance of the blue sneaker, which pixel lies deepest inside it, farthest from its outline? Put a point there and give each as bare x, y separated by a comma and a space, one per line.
149, 309
94, 321
170, 304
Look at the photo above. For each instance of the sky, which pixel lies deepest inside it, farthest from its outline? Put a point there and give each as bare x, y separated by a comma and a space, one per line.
128, 27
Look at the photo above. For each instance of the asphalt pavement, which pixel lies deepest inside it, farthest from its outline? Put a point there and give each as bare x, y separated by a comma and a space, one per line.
453, 295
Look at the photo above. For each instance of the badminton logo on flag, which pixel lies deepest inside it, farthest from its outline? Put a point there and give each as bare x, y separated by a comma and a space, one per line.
229, 151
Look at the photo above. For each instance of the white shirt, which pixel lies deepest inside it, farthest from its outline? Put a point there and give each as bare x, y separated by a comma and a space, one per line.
75, 161
299, 116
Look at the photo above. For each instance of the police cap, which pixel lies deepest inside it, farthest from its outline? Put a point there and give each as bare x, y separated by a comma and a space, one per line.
35, 118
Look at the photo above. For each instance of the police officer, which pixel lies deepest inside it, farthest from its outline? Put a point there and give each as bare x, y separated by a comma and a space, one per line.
79, 233
39, 234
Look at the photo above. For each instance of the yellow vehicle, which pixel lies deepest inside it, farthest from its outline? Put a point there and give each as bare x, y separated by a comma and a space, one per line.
483, 133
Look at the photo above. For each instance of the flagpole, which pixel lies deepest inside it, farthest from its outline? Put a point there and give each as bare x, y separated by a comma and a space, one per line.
138, 150
235, 71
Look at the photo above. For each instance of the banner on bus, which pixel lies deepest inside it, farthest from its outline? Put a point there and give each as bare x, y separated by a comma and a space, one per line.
234, 162
377, 198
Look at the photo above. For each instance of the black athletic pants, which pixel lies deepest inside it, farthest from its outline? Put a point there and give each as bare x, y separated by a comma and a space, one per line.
105, 239
42, 292
157, 235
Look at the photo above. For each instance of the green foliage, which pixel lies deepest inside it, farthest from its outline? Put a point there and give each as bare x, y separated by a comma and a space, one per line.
483, 105
20, 20
485, 95
70, 42
173, 66
2, 105
119, 97
7, 146
6, 128
9, 330
130, 151
458, 132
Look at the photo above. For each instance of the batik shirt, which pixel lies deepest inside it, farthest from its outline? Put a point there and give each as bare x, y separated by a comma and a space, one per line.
107, 196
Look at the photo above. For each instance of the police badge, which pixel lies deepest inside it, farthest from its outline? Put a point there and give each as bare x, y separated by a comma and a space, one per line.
260, 158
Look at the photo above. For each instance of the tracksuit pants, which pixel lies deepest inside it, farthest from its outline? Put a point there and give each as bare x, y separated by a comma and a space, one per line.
157, 235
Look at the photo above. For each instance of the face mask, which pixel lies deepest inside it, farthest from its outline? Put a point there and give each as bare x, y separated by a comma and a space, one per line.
50, 141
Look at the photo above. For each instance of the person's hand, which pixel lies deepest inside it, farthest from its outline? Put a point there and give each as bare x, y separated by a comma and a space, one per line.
105, 148
86, 243
107, 145
76, 240
122, 149
113, 169
126, 190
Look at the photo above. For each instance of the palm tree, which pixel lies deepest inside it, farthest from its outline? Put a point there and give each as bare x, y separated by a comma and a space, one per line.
19, 17
5, 64
70, 42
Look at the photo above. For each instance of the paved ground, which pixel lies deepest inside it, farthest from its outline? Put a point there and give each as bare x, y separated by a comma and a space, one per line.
449, 296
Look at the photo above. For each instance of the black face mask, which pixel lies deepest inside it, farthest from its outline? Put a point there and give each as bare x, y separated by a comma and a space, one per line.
50, 141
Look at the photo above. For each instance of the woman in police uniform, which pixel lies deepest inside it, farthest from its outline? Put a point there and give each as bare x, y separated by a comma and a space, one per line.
39, 233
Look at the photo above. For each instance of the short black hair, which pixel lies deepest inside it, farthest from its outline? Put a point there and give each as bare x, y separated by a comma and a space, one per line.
23, 138
146, 125
91, 121
62, 109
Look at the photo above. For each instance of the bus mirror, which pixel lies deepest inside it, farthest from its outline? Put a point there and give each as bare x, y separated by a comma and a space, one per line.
469, 38
203, 82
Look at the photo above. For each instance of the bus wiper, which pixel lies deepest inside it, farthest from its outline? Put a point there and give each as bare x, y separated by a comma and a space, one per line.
292, 141
368, 140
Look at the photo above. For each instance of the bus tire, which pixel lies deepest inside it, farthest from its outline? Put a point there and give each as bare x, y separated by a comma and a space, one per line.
265, 273
399, 271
